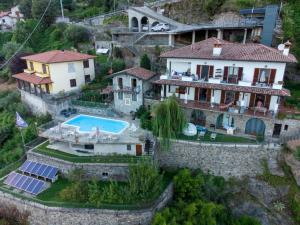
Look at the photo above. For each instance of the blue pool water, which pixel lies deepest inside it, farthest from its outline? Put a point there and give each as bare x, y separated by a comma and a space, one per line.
90, 123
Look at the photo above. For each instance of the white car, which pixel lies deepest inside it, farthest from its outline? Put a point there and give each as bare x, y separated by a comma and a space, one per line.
145, 28
160, 27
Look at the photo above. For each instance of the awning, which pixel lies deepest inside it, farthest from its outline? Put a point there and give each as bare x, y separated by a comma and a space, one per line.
32, 78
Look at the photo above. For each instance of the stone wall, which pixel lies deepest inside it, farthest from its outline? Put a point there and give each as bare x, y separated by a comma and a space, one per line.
115, 171
44, 215
225, 160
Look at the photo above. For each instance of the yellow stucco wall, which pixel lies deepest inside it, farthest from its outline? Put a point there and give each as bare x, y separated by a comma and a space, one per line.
38, 68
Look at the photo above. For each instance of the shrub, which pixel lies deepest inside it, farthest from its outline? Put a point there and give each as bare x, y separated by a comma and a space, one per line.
77, 34
145, 62
10, 215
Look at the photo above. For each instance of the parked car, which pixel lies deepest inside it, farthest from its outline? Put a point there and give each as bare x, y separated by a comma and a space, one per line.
145, 28
160, 27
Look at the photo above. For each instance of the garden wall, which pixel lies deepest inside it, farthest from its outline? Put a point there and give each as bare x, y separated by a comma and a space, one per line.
115, 171
225, 160
44, 215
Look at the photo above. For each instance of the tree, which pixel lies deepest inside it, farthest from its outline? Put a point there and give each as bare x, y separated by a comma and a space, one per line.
77, 34
145, 62
168, 121
38, 8
144, 181
25, 8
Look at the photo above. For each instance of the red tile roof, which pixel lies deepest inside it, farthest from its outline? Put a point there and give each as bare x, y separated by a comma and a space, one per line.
2, 14
32, 78
226, 87
57, 56
230, 51
137, 72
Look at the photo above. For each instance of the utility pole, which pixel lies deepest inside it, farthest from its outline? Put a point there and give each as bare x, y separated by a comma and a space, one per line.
62, 9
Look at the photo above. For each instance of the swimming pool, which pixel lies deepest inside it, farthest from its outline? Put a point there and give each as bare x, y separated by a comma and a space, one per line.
86, 123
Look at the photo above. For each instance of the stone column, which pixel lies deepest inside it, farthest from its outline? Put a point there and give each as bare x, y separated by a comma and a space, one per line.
220, 34
193, 37
245, 36
206, 34
171, 40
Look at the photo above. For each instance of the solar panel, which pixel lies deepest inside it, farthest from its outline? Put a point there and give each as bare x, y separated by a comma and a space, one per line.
39, 169
25, 183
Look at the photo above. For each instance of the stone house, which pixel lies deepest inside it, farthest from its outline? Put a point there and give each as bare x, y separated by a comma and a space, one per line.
130, 87
52, 74
229, 86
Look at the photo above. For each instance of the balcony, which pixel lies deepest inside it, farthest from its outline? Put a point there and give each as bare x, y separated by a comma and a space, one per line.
127, 89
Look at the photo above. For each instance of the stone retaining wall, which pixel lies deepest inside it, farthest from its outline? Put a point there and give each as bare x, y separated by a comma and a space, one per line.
225, 160
115, 171
44, 215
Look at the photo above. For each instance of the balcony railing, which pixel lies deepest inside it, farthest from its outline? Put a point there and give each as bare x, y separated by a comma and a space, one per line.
218, 80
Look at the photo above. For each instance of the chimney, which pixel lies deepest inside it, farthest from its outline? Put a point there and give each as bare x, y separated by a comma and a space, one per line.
287, 46
217, 48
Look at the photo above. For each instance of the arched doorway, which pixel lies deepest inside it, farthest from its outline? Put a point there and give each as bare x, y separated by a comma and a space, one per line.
198, 117
255, 126
145, 23
134, 24
224, 120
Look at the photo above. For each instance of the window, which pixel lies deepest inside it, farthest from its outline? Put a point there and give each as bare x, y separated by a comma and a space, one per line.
89, 147
133, 83
120, 95
264, 75
104, 174
128, 147
229, 97
87, 79
44, 68
134, 97
73, 82
286, 127
233, 74
120, 83
71, 68
31, 66
86, 64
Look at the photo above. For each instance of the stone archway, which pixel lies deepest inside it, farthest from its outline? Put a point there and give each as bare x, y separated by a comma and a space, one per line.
255, 126
198, 117
134, 24
144, 23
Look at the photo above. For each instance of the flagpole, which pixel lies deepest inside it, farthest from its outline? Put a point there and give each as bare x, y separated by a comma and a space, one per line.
22, 138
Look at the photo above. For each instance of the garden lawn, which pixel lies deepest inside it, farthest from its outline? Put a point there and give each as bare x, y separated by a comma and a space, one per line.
43, 149
220, 138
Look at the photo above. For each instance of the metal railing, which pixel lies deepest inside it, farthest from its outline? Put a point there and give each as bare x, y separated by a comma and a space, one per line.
89, 104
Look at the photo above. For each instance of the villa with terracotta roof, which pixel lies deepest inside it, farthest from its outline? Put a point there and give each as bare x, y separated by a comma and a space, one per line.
9, 19
129, 88
229, 86
53, 73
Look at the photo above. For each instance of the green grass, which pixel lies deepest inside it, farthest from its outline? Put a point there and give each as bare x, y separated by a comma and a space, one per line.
221, 138
13, 166
42, 149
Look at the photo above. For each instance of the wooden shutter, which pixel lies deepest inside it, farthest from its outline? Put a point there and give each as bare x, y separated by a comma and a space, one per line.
222, 97
208, 95
198, 69
240, 73
237, 96
272, 76
267, 101
211, 71
225, 75
255, 77
252, 100
196, 94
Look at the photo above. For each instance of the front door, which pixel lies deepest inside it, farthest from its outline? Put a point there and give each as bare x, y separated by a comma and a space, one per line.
277, 130
138, 150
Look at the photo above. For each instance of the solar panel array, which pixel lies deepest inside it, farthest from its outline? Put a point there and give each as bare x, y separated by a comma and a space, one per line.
25, 183
39, 169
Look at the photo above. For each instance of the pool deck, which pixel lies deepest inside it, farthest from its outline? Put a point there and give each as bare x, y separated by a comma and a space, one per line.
65, 133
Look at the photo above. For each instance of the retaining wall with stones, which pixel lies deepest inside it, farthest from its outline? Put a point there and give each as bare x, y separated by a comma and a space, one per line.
44, 215
115, 171
227, 160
